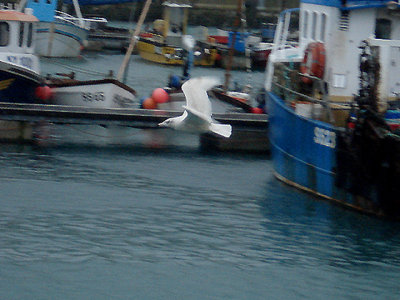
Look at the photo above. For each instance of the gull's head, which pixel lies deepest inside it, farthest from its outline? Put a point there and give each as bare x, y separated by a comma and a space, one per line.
168, 123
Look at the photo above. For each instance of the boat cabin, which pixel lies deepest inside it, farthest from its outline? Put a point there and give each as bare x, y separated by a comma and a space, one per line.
174, 22
341, 26
175, 16
17, 32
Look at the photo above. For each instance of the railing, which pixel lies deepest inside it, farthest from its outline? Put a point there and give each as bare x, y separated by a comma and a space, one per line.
291, 95
86, 23
67, 18
282, 50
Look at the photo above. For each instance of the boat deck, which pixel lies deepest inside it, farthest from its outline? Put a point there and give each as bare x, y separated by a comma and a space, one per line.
139, 118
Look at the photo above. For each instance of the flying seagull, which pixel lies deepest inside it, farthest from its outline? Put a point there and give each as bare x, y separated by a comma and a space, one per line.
197, 115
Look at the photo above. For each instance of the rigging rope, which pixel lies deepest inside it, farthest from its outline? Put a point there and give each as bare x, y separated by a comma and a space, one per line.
77, 69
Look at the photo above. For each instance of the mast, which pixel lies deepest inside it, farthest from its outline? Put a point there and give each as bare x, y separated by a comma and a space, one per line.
236, 25
78, 13
132, 43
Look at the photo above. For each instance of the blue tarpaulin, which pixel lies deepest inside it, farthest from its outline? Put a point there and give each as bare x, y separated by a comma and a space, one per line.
101, 2
42, 9
349, 4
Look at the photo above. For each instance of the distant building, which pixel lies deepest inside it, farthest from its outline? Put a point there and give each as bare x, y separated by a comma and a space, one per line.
220, 4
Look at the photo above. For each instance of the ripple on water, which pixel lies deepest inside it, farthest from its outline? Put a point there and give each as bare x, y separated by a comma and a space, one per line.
96, 206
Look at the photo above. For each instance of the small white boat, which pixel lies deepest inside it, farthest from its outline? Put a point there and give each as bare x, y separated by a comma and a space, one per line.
19, 67
58, 33
103, 93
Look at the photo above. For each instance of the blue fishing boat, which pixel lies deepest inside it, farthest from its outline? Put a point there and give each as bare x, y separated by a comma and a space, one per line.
328, 98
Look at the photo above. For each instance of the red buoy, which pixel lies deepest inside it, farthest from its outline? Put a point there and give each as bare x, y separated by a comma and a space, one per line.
43, 92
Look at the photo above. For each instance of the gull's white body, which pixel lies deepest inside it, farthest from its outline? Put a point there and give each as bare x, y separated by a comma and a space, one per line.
197, 115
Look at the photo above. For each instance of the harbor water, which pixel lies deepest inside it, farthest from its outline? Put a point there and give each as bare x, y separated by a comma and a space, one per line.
83, 216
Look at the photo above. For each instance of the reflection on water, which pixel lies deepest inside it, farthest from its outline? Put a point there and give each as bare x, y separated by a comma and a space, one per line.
132, 206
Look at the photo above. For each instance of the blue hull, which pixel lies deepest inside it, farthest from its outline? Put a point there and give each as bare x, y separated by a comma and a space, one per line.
305, 155
296, 155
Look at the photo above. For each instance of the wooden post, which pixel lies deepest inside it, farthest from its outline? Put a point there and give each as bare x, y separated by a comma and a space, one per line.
51, 38
185, 20
166, 18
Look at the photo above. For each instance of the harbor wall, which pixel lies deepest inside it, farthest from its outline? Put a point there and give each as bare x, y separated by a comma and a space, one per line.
204, 12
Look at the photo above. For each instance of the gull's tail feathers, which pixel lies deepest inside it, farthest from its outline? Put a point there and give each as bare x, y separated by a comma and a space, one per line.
201, 83
221, 129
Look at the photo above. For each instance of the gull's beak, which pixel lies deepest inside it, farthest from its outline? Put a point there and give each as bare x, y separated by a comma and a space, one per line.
163, 124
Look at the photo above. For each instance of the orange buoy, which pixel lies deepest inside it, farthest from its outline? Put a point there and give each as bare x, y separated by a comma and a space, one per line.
313, 63
149, 103
160, 95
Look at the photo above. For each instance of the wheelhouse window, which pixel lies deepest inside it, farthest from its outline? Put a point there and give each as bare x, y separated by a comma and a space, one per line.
314, 26
383, 29
21, 34
30, 35
4, 33
305, 24
323, 27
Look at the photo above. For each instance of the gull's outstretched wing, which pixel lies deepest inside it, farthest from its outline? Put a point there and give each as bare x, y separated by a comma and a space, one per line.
195, 122
195, 91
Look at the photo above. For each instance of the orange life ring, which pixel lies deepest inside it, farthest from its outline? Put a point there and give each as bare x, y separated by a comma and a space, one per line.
313, 63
